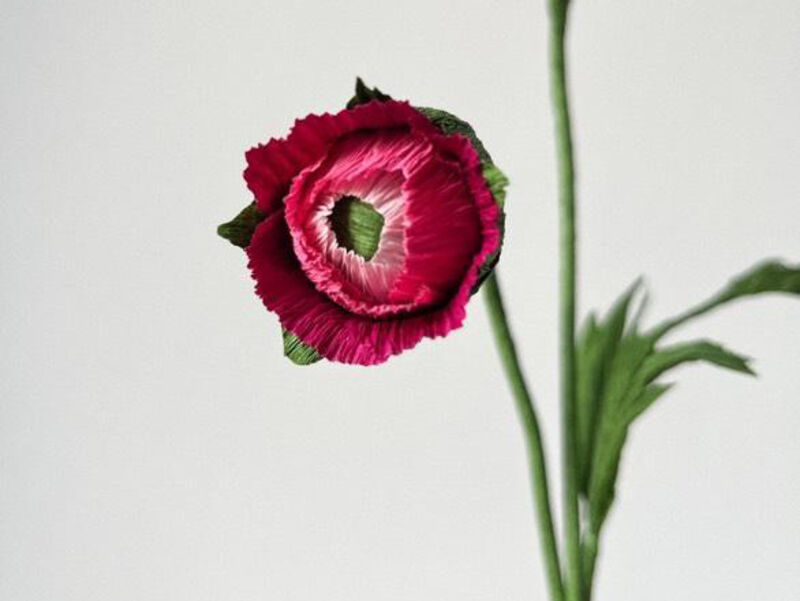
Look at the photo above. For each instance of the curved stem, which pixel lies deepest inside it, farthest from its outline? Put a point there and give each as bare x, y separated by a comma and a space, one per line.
566, 173
533, 437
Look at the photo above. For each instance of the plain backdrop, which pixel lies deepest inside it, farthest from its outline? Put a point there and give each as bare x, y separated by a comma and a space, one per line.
154, 444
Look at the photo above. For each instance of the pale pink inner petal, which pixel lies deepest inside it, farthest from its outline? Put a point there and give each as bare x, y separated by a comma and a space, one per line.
382, 190
372, 166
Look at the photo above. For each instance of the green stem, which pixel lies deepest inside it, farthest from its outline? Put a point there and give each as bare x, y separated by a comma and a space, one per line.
703, 307
566, 173
533, 437
590, 544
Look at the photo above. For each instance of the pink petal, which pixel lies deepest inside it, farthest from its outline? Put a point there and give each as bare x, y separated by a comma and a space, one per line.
271, 167
353, 166
451, 229
340, 335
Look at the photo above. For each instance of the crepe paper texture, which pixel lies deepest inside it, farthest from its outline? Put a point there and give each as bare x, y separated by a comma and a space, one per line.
371, 228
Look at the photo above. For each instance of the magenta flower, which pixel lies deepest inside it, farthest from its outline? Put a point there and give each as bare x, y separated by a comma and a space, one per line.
371, 228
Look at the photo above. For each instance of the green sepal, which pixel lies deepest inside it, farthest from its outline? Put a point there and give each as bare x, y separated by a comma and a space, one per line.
239, 230
365, 94
298, 352
497, 182
449, 124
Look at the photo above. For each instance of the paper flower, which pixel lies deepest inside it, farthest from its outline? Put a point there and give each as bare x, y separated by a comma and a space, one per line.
371, 228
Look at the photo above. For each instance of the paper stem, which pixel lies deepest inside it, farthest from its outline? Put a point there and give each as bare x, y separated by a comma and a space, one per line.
566, 181
533, 437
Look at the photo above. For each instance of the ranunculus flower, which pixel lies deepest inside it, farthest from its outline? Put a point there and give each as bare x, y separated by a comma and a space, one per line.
371, 228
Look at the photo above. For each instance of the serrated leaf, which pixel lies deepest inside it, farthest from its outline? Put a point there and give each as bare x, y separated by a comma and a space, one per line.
365, 94
298, 352
770, 276
240, 229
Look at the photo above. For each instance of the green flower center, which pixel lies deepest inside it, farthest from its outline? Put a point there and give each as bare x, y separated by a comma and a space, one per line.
357, 226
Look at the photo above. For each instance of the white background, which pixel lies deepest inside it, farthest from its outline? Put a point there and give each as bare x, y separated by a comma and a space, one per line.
154, 445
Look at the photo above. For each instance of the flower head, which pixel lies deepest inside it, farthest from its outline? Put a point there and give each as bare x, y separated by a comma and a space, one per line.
370, 229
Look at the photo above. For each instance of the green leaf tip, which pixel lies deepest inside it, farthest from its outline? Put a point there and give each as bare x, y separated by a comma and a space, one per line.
674, 355
298, 352
619, 367
239, 230
766, 277
365, 94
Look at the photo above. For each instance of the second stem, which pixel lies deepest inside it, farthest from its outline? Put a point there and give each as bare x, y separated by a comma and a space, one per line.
566, 182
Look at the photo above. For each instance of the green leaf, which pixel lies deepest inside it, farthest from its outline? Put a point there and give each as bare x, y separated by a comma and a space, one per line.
364, 94
589, 389
701, 350
597, 346
240, 229
618, 369
298, 352
629, 389
612, 435
770, 276
621, 387
449, 124
639, 404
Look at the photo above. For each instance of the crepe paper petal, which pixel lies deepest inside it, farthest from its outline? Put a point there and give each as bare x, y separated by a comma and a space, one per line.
371, 228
